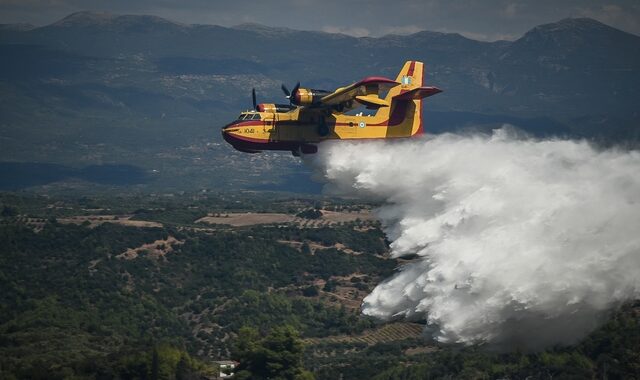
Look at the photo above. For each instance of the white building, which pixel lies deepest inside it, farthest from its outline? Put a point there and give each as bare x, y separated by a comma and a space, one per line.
226, 368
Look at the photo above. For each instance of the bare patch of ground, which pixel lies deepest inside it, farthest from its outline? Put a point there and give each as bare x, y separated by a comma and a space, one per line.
345, 292
347, 296
315, 246
248, 219
157, 250
92, 265
96, 220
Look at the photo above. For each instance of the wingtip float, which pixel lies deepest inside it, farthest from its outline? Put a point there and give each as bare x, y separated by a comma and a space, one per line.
313, 116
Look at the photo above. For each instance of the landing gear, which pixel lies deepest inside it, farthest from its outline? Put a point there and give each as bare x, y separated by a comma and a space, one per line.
304, 149
309, 149
323, 129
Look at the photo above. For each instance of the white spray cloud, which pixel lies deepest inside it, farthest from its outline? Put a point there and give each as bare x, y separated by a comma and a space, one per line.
521, 243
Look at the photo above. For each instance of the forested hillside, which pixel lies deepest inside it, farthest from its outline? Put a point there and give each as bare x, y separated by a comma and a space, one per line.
134, 287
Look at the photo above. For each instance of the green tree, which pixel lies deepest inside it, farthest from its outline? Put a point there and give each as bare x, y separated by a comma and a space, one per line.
276, 356
310, 291
184, 370
155, 365
8, 211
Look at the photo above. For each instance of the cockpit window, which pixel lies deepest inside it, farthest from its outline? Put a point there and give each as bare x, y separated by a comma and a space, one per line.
249, 116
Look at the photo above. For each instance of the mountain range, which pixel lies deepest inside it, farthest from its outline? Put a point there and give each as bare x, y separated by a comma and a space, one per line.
104, 89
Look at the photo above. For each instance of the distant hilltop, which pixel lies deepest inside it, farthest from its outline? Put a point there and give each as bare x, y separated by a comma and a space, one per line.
91, 19
84, 19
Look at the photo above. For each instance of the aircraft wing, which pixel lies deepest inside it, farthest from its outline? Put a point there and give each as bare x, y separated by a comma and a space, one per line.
365, 91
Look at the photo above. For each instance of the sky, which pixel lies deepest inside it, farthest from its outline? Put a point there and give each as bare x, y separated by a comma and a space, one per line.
479, 19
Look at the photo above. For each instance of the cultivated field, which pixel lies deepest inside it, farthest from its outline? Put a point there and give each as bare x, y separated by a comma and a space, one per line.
96, 220
389, 332
248, 219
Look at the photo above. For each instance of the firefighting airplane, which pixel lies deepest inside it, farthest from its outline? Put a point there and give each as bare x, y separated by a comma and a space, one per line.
317, 115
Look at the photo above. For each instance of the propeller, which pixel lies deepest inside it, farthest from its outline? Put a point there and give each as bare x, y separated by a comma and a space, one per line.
253, 97
290, 95
285, 90
294, 92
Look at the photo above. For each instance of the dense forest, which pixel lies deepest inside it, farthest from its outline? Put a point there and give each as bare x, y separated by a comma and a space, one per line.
89, 293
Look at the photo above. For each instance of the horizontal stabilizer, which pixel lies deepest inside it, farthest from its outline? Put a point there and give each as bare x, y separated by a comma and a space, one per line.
418, 93
371, 101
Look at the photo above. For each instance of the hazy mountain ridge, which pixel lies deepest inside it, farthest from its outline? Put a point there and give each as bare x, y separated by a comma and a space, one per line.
471, 72
153, 85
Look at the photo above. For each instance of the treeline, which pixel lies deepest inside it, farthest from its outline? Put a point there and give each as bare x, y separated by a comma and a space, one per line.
153, 362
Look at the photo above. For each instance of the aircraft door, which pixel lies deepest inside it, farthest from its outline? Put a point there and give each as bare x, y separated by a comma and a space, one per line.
269, 126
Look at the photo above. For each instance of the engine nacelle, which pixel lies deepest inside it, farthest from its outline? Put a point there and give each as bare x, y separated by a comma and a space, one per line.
274, 108
308, 96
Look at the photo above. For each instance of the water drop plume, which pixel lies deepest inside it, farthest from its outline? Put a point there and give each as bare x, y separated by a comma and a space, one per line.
520, 242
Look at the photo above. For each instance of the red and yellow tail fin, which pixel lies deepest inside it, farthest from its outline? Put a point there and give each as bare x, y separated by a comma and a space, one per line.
405, 110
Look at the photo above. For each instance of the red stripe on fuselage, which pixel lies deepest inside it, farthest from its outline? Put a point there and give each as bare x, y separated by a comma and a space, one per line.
248, 143
247, 139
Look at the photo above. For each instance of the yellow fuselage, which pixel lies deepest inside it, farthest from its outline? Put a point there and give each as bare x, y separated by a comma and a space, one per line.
301, 128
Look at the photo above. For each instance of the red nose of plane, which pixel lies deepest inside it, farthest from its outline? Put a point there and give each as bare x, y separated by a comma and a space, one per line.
226, 133
238, 143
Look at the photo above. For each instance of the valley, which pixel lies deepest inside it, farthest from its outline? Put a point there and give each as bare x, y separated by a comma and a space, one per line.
98, 286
